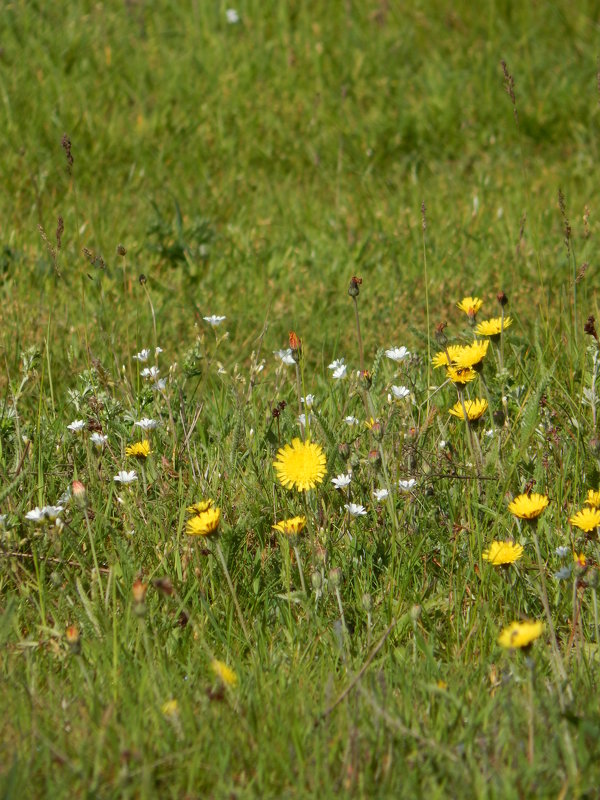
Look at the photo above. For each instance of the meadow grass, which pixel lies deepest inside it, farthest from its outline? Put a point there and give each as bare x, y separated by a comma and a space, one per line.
250, 169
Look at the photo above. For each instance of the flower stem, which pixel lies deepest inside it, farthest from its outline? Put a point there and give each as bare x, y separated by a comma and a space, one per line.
231, 589
361, 357
300, 569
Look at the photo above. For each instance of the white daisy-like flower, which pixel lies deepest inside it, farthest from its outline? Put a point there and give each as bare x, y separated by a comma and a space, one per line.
146, 424
285, 356
232, 16
36, 515
341, 481
126, 477
151, 373
338, 368
355, 510
98, 439
308, 401
77, 426
380, 494
397, 353
350, 420
406, 485
400, 392
214, 320
336, 364
142, 356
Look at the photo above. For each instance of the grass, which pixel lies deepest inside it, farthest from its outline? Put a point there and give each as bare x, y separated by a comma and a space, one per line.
250, 170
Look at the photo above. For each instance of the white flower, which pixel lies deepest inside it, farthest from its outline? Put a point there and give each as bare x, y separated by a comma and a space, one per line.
285, 356
397, 353
142, 356
442, 444
150, 372
407, 485
400, 392
342, 480
36, 515
380, 494
308, 401
489, 433
355, 510
339, 368
126, 477
159, 385
232, 16
562, 552
157, 351
52, 512
77, 426
146, 424
350, 420
214, 320
99, 439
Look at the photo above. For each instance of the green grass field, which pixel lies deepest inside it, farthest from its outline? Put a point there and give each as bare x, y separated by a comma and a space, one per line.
249, 165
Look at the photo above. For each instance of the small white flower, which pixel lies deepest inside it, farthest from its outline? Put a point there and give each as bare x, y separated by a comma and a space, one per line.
562, 552
397, 353
308, 401
489, 433
146, 424
77, 426
342, 480
98, 439
157, 351
380, 494
302, 419
126, 477
36, 515
214, 320
52, 512
232, 16
355, 510
159, 385
400, 392
338, 368
442, 444
150, 372
339, 362
285, 356
350, 420
142, 356
407, 485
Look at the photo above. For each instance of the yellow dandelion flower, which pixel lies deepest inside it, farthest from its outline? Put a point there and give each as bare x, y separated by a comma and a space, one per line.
520, 634
503, 553
300, 465
587, 519
474, 408
579, 559
461, 375
470, 305
170, 708
493, 327
200, 507
593, 498
528, 506
441, 359
291, 527
225, 673
205, 524
369, 423
473, 354
139, 449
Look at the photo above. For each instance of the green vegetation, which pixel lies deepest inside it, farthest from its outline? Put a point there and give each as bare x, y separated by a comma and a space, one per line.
249, 169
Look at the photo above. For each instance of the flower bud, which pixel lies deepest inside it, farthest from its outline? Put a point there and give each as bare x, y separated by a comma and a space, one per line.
335, 577
353, 289
73, 639
367, 602
316, 580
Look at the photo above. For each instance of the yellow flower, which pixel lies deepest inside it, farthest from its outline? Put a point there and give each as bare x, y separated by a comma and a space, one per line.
493, 327
470, 305
588, 519
528, 506
580, 559
369, 423
441, 359
200, 507
503, 553
225, 673
205, 524
520, 634
474, 408
461, 375
593, 499
291, 527
300, 465
139, 449
170, 708
472, 354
